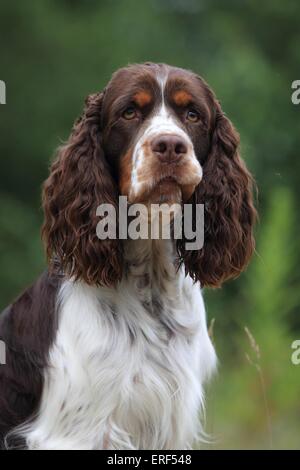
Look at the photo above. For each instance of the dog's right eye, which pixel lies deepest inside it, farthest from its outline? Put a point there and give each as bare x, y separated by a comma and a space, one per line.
192, 116
129, 113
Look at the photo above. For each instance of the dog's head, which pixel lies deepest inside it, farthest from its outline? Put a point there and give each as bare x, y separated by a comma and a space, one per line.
155, 134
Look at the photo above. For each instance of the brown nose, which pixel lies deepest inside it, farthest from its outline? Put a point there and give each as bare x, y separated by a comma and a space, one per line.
169, 148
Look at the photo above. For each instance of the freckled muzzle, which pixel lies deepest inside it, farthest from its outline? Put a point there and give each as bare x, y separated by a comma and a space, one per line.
165, 166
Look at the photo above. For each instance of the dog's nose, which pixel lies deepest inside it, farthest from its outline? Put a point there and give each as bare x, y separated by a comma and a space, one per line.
169, 148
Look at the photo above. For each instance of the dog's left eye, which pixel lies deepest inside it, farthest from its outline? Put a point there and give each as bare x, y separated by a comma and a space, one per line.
192, 115
129, 113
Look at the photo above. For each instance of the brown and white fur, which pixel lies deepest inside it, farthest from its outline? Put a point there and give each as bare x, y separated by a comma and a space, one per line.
109, 349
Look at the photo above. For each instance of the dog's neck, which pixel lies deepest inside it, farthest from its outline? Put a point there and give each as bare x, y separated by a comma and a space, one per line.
151, 266
150, 256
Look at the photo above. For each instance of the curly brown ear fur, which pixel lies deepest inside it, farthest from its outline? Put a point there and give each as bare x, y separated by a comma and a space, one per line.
79, 181
226, 191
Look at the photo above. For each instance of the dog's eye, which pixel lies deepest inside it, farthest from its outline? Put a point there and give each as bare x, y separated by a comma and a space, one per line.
192, 115
129, 113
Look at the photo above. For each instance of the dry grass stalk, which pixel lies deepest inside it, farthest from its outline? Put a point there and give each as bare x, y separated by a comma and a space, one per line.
256, 363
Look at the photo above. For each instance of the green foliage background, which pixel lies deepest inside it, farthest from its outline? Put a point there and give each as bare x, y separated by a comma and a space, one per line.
55, 52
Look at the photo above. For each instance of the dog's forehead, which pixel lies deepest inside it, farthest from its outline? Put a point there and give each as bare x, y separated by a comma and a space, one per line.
158, 79
126, 78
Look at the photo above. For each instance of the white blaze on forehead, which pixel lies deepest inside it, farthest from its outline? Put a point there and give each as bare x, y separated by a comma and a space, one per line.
163, 122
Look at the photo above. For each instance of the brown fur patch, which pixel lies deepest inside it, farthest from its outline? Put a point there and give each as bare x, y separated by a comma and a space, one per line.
187, 191
182, 98
142, 98
125, 173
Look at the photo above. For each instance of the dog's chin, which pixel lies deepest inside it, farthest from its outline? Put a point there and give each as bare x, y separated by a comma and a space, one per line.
167, 191
170, 191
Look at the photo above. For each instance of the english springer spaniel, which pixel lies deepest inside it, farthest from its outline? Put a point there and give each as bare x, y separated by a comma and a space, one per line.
109, 349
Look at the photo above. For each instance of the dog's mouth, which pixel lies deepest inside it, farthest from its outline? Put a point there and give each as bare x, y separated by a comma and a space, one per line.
165, 180
175, 187
168, 190
168, 183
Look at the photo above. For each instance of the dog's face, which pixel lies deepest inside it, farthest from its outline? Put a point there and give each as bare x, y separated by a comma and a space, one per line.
156, 131
155, 134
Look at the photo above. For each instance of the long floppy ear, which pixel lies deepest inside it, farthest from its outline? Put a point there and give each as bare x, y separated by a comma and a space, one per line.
229, 214
79, 182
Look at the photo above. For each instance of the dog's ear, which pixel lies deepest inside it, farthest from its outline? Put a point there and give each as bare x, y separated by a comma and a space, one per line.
79, 181
229, 214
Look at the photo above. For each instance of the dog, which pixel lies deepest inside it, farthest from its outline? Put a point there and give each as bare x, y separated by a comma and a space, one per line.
109, 349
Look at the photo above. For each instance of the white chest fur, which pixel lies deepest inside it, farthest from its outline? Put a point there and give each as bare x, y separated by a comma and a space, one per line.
128, 364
